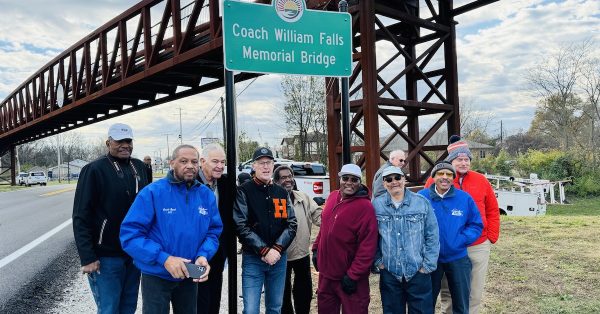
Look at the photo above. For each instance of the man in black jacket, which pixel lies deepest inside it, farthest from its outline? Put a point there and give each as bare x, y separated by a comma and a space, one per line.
105, 190
212, 165
266, 225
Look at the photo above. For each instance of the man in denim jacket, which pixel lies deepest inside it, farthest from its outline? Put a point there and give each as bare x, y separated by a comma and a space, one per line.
408, 246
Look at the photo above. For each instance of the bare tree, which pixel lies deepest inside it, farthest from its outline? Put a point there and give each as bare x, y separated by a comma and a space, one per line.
590, 84
555, 79
474, 123
304, 107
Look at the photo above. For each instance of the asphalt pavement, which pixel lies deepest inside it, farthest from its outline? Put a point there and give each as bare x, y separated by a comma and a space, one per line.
36, 242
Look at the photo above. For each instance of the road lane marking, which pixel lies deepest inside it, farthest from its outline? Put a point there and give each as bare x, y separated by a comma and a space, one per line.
58, 191
18, 253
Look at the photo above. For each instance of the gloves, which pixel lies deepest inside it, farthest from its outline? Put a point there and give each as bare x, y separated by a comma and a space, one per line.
314, 260
348, 285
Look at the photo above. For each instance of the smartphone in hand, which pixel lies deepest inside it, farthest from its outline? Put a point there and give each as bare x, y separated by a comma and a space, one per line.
195, 271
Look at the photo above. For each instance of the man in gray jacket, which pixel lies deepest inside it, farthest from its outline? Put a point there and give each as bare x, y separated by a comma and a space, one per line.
397, 159
298, 259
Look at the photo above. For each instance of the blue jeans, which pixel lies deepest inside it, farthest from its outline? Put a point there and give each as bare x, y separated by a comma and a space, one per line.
115, 288
159, 294
397, 294
255, 274
458, 274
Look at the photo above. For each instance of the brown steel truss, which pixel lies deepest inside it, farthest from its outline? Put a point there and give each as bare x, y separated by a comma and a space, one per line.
155, 52
405, 72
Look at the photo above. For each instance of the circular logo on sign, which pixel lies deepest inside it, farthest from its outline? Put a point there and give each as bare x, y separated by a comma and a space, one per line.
264, 151
289, 10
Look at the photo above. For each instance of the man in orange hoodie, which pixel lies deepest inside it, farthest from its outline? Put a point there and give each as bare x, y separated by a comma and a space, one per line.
482, 192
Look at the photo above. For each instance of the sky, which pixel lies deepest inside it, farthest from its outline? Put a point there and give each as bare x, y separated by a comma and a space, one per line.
496, 45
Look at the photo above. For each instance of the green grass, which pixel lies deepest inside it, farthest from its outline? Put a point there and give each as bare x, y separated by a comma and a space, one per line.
578, 207
8, 188
547, 264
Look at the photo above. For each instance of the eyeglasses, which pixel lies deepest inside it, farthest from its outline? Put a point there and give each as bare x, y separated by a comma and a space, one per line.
264, 163
285, 178
389, 179
444, 173
353, 179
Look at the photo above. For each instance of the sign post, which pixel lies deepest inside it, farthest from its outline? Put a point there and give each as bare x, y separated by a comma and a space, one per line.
284, 38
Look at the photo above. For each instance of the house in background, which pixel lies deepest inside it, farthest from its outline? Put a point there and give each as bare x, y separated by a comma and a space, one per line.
316, 147
71, 168
479, 150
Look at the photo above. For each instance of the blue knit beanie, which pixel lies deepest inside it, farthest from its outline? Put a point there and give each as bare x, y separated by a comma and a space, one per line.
456, 147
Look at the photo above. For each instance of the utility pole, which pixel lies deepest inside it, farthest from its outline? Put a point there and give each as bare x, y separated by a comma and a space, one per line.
223, 118
180, 129
168, 149
501, 136
59, 155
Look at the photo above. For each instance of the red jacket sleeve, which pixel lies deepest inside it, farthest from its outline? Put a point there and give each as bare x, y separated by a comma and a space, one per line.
429, 182
367, 239
492, 214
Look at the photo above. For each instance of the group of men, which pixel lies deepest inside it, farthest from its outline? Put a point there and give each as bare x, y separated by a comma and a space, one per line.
437, 240
128, 230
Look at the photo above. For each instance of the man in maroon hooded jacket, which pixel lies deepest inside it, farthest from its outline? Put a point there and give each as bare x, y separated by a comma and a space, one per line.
345, 246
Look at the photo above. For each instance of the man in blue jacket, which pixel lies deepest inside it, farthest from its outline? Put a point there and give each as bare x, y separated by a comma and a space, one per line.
172, 222
459, 225
407, 252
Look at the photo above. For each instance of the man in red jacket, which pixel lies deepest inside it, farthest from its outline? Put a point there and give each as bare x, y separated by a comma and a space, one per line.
345, 246
482, 192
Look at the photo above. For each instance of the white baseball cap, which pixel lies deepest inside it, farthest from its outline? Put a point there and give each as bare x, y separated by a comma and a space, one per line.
350, 169
119, 131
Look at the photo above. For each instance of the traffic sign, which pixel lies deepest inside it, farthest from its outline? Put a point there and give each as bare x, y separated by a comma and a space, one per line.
287, 38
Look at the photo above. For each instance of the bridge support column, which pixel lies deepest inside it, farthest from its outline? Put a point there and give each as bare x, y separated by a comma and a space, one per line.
13, 165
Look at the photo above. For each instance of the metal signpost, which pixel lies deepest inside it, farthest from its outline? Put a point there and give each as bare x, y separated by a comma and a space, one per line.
285, 38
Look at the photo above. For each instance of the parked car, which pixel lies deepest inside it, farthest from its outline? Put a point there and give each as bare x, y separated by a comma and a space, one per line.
21, 178
311, 178
36, 177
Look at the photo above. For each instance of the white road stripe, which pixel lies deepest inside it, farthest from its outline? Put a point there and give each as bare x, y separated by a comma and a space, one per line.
16, 254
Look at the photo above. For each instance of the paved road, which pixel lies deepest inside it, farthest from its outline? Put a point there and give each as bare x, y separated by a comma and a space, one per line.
35, 229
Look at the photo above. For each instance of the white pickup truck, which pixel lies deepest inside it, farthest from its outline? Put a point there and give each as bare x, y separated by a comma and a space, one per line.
311, 177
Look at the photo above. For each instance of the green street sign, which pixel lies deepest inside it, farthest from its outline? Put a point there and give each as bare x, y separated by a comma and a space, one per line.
286, 38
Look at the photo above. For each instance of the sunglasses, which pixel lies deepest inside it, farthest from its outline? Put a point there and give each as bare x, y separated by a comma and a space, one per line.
353, 179
390, 178
402, 160
444, 173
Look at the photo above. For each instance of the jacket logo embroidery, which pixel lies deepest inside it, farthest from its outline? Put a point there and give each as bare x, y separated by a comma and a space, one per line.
280, 207
169, 210
202, 211
457, 212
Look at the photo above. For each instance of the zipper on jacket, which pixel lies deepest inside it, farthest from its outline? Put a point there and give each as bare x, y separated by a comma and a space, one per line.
102, 231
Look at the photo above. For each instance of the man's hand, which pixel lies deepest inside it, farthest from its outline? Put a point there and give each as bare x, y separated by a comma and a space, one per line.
348, 285
93, 267
202, 262
422, 270
272, 257
176, 267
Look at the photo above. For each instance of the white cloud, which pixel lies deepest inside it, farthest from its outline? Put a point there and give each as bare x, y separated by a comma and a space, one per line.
496, 44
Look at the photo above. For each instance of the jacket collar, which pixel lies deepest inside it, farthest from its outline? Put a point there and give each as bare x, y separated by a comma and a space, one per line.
363, 191
405, 201
171, 178
434, 196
